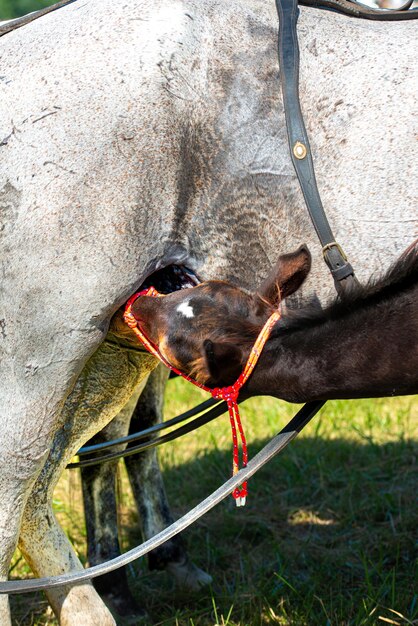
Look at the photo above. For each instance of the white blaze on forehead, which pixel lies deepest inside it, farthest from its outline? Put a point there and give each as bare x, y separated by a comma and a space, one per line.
186, 309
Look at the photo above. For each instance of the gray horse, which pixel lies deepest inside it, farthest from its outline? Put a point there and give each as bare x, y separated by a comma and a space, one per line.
137, 135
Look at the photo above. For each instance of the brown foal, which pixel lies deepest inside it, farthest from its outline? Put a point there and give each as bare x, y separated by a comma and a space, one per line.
364, 346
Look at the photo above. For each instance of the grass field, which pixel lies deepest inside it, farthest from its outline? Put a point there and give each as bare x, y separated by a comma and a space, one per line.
327, 537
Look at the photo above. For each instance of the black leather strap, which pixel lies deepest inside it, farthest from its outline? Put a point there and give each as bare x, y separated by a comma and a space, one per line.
205, 418
300, 150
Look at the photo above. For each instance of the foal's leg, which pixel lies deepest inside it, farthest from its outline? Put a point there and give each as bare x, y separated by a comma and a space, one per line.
148, 488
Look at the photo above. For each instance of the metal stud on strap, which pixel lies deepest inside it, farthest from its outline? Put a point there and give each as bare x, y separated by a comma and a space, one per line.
299, 150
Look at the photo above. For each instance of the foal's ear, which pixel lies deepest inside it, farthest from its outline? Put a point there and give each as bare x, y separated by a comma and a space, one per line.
290, 272
223, 362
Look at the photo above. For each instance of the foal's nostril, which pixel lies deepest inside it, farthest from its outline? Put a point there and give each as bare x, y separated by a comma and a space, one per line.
143, 308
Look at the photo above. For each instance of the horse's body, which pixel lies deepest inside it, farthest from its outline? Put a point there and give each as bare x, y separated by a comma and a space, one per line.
135, 135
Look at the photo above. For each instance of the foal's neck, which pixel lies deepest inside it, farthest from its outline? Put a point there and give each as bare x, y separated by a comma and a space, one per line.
370, 351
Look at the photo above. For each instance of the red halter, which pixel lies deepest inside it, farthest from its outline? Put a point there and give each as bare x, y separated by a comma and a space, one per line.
229, 394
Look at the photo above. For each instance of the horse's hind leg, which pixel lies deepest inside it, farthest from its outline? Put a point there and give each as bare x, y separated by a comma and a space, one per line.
16, 481
148, 488
30, 408
100, 504
48, 551
105, 385
100, 508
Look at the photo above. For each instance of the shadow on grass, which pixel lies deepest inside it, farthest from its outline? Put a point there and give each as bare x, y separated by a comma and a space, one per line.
327, 537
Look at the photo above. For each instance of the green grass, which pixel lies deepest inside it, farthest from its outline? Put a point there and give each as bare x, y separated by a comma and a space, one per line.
15, 8
326, 538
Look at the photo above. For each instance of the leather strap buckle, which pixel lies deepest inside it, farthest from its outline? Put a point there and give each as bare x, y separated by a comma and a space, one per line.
337, 262
333, 244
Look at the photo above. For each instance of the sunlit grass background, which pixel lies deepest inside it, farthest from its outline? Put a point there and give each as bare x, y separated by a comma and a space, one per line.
327, 536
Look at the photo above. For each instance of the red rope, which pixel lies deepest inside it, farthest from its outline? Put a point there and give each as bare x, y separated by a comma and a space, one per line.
229, 394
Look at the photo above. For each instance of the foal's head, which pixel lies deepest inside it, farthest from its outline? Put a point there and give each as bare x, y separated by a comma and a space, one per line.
208, 331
